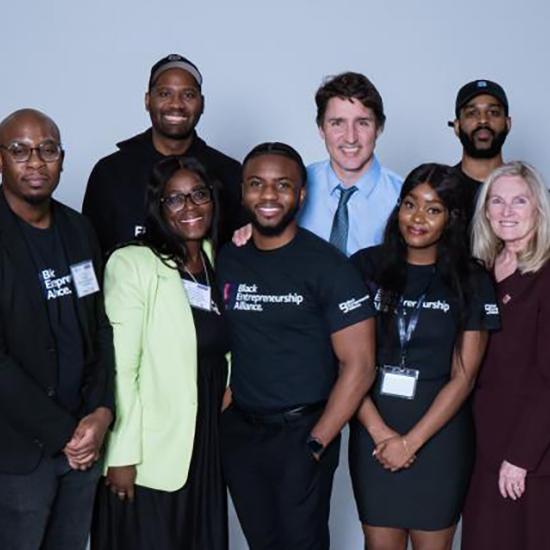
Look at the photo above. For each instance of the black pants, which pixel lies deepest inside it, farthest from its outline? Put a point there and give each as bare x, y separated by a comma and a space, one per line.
48, 509
280, 491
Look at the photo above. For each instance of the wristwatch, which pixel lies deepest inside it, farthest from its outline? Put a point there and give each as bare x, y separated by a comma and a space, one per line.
315, 446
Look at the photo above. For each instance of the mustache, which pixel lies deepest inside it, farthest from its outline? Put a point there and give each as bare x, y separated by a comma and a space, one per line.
486, 128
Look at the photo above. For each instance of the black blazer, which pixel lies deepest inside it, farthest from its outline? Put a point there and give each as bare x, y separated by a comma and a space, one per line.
32, 423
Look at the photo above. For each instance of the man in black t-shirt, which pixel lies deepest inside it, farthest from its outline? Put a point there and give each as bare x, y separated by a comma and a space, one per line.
116, 191
302, 348
482, 124
56, 348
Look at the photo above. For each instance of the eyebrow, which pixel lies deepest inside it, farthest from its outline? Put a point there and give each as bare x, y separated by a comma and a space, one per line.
491, 104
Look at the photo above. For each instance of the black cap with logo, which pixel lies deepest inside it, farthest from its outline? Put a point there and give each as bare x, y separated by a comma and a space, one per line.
174, 61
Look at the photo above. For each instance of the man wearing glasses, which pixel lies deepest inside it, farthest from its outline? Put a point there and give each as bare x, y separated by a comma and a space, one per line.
115, 195
56, 352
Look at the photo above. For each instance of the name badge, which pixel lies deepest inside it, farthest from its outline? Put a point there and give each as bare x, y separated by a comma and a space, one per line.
84, 279
198, 295
398, 382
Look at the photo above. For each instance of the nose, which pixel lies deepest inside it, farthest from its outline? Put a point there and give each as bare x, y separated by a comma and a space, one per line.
418, 215
508, 210
350, 133
34, 159
269, 191
482, 117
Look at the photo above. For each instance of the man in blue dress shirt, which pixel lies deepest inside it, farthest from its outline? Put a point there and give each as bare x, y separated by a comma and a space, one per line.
350, 195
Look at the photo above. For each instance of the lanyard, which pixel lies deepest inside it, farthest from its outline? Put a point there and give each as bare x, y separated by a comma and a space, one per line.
406, 330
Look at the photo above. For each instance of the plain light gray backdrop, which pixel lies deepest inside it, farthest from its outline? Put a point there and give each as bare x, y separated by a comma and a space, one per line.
86, 64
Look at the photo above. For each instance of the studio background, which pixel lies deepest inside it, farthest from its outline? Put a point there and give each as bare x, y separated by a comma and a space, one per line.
86, 64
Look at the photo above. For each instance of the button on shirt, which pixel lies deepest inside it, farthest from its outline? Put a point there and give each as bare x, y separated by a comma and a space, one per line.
368, 209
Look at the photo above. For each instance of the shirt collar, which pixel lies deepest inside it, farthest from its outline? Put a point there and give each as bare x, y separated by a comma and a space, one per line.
364, 184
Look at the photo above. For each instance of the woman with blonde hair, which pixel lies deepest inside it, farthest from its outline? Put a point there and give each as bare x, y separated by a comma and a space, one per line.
509, 496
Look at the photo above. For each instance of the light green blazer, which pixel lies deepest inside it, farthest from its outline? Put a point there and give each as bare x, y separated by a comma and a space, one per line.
156, 368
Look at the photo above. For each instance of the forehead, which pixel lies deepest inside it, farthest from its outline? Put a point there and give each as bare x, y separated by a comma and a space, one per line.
176, 78
347, 108
32, 130
183, 180
272, 166
510, 186
483, 100
424, 192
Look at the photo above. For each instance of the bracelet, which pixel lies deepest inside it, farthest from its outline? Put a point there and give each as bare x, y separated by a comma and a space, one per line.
406, 445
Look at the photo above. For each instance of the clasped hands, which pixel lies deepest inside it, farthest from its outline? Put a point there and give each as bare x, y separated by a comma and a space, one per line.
393, 453
84, 447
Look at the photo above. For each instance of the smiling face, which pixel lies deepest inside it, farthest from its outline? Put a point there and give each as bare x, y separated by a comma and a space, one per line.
350, 132
175, 104
31, 182
483, 126
422, 220
189, 221
511, 211
272, 194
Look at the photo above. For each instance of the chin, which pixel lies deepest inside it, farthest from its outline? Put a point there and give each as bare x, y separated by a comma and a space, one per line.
37, 200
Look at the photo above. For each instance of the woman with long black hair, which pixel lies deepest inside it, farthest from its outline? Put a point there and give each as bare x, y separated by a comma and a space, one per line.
411, 445
165, 488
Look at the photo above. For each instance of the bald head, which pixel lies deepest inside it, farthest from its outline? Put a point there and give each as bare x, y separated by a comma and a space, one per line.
23, 117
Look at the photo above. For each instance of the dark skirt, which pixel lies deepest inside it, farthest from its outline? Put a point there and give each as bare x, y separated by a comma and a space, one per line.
192, 518
491, 522
429, 495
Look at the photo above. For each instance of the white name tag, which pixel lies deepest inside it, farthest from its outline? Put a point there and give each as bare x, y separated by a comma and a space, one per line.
398, 382
198, 295
84, 279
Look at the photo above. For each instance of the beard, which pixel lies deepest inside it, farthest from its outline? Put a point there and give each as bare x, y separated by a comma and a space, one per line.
492, 151
275, 230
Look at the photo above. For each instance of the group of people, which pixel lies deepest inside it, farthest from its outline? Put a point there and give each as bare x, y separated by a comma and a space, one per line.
148, 363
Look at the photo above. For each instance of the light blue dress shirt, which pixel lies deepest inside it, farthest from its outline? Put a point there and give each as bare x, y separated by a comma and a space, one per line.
368, 208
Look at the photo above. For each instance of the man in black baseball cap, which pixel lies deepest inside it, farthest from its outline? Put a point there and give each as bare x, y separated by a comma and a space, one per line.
482, 124
115, 195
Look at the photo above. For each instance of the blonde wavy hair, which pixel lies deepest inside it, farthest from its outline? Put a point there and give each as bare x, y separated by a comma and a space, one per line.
486, 246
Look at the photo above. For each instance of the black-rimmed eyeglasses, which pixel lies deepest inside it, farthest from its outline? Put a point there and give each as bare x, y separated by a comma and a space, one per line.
48, 151
177, 201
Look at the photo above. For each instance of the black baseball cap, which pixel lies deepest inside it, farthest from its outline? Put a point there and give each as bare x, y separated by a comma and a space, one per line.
174, 61
479, 87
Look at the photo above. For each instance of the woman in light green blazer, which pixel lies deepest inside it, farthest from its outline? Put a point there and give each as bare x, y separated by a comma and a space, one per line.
164, 487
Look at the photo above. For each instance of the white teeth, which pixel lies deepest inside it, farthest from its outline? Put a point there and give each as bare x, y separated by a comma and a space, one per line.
268, 210
192, 220
175, 118
508, 224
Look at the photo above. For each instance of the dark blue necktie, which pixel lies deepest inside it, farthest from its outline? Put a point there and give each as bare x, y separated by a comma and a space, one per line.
340, 224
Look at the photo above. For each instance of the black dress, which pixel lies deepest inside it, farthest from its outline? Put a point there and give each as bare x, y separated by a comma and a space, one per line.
430, 494
195, 516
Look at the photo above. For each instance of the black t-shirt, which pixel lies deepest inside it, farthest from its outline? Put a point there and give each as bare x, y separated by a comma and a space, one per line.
55, 279
282, 307
432, 343
469, 189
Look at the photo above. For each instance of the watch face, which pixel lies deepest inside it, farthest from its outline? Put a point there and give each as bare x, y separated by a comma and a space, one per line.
315, 445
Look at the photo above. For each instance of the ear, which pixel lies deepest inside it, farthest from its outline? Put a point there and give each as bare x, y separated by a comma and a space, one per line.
61, 161
303, 193
203, 101
509, 123
147, 101
242, 192
379, 130
321, 132
456, 127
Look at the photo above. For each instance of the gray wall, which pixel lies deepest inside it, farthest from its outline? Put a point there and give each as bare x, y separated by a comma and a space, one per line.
86, 64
